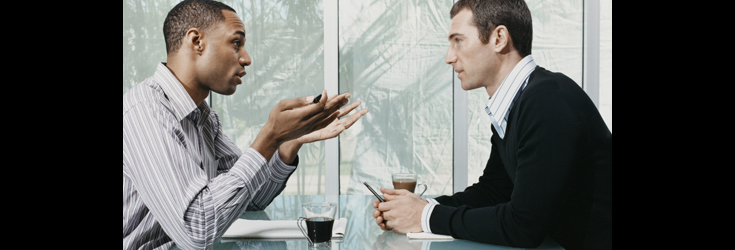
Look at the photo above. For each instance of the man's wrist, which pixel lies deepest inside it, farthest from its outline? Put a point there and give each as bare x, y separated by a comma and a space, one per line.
288, 151
426, 215
265, 143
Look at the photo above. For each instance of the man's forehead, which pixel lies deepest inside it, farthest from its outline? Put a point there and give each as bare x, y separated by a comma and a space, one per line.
233, 22
464, 18
462, 23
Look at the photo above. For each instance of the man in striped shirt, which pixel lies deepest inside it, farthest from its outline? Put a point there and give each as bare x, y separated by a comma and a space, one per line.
184, 181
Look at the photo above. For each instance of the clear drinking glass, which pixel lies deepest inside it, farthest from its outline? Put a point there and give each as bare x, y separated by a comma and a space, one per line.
408, 182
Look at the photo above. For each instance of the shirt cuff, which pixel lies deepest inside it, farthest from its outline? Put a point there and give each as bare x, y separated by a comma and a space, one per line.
426, 215
280, 170
248, 164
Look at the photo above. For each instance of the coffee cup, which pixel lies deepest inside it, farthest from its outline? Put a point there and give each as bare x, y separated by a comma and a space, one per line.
408, 182
319, 217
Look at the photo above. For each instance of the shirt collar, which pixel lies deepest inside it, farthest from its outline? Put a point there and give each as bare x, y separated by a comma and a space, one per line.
500, 104
181, 102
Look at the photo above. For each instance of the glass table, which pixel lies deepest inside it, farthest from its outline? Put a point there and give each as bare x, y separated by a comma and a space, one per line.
361, 232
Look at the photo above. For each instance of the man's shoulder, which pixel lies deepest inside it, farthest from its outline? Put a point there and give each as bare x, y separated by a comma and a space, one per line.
545, 85
544, 80
145, 94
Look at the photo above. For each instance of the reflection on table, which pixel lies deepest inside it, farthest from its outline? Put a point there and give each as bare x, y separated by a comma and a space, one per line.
361, 233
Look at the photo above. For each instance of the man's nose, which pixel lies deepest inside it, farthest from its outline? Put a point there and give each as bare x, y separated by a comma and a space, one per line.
245, 59
451, 57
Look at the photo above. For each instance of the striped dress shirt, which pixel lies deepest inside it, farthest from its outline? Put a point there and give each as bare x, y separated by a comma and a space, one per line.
184, 181
499, 106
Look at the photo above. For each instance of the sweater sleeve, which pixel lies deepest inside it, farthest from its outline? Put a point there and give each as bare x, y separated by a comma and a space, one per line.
546, 136
493, 188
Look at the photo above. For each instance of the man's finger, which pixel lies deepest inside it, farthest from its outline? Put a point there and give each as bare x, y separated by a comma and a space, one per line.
387, 227
388, 191
335, 103
349, 121
289, 104
339, 100
346, 110
377, 213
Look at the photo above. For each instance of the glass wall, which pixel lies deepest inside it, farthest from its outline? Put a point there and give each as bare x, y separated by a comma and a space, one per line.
143, 43
392, 58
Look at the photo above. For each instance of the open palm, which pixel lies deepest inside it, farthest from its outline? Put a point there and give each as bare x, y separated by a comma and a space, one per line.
332, 126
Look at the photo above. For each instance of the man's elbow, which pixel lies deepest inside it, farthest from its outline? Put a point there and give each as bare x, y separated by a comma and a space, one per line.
526, 239
533, 243
529, 243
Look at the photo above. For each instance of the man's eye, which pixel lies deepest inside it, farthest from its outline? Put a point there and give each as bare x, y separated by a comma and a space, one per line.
237, 45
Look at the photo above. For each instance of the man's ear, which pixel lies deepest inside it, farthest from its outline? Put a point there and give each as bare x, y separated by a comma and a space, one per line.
501, 40
194, 41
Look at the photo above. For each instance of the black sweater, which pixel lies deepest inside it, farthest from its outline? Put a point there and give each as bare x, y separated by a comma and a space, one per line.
551, 176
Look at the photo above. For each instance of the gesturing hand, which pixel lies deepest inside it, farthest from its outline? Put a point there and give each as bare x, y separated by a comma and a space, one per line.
298, 121
332, 126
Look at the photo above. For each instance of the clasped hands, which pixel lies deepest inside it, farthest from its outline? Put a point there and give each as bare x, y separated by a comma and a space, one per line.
401, 211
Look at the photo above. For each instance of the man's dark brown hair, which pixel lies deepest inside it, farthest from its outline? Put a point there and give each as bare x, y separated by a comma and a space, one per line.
489, 14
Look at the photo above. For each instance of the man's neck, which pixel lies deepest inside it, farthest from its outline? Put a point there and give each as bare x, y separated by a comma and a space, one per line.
196, 91
507, 64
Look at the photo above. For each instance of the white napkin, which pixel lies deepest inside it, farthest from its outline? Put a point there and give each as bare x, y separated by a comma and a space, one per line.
428, 236
271, 229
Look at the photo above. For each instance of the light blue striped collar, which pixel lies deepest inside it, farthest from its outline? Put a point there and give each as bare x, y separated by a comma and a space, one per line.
500, 104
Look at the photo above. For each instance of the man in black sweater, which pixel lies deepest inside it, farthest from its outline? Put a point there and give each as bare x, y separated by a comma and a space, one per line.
550, 170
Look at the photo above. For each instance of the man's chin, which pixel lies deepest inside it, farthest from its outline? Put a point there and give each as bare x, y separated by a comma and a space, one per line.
227, 92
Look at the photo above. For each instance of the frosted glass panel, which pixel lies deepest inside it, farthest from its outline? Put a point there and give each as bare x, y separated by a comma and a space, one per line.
558, 41
285, 40
143, 43
392, 58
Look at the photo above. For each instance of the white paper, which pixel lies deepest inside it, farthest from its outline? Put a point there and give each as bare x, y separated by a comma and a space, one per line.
428, 236
266, 229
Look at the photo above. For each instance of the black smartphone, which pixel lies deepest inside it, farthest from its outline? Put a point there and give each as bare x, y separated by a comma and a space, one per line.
374, 193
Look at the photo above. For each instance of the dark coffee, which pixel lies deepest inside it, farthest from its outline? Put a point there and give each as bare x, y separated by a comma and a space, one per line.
406, 184
319, 229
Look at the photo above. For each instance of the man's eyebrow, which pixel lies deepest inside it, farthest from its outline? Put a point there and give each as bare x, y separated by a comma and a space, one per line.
453, 35
241, 33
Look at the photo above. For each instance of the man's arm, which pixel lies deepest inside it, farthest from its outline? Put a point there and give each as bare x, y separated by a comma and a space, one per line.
277, 172
546, 161
493, 188
174, 188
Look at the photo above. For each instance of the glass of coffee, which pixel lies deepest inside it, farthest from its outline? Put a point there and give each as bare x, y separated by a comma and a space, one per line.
319, 217
407, 182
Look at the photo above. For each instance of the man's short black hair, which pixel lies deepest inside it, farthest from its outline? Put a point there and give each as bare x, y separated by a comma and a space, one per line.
200, 14
489, 14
